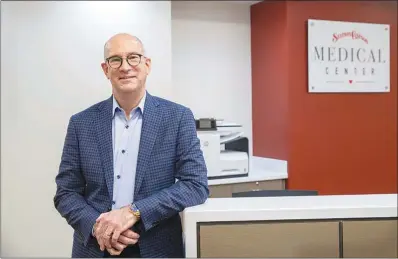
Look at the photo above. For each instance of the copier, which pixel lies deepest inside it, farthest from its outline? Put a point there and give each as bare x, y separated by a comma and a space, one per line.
225, 149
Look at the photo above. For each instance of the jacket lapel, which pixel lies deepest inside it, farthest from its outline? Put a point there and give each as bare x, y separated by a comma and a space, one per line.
104, 138
151, 121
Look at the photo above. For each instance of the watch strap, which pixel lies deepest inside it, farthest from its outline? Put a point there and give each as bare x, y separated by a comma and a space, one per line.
135, 211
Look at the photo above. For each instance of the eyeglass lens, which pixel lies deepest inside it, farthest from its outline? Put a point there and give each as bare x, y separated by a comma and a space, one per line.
132, 60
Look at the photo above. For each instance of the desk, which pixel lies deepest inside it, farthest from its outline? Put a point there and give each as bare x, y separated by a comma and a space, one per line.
355, 226
264, 174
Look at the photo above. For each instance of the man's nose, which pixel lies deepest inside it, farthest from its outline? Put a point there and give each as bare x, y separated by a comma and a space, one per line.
125, 65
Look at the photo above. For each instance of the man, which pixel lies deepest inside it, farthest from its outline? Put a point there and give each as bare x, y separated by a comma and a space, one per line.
130, 164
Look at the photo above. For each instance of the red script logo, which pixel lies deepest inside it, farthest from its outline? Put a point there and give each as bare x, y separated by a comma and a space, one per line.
352, 34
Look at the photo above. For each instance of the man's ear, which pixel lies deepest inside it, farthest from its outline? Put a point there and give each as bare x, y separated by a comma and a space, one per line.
105, 69
148, 64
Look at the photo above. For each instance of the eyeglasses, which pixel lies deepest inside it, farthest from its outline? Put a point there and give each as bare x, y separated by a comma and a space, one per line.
116, 61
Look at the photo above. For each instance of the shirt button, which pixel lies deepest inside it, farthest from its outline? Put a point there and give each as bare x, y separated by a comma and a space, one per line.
118, 177
127, 126
123, 151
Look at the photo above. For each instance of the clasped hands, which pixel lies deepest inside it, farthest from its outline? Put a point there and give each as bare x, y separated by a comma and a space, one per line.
112, 230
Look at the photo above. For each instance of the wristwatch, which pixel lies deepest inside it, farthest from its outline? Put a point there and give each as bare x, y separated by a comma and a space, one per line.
135, 211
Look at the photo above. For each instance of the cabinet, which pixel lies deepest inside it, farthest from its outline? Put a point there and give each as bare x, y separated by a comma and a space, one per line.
340, 238
226, 190
370, 238
270, 240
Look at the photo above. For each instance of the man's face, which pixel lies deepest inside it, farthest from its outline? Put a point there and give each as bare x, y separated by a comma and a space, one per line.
125, 65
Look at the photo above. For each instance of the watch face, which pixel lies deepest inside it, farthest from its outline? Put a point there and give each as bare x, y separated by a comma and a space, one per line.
135, 210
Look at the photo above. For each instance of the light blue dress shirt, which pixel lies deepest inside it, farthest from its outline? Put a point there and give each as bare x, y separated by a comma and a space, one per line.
126, 134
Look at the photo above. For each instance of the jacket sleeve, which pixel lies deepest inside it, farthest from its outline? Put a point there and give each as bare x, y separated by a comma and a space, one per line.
192, 186
69, 198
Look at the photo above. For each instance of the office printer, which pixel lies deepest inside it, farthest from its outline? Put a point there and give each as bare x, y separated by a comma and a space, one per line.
225, 149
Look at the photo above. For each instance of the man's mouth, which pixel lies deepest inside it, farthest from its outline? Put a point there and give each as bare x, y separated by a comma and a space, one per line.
126, 77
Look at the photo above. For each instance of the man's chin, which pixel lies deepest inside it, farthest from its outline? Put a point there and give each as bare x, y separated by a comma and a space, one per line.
129, 88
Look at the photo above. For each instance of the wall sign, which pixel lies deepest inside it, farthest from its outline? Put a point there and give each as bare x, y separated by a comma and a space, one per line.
348, 57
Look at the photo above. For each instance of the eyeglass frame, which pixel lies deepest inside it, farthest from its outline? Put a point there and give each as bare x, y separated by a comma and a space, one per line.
126, 58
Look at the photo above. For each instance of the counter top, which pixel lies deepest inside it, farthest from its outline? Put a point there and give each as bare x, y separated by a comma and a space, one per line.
260, 169
286, 208
295, 207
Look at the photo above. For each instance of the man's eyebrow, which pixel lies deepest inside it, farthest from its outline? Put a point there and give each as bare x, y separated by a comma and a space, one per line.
127, 54
113, 56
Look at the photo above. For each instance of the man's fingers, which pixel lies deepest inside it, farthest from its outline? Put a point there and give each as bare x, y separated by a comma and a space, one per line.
108, 243
130, 234
116, 249
115, 236
113, 251
129, 237
101, 227
108, 232
99, 233
107, 237
101, 243
127, 241
119, 246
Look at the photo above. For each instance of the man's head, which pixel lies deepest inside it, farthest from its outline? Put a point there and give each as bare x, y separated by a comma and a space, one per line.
126, 65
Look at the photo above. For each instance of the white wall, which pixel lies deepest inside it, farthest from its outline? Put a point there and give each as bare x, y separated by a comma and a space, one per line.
212, 60
50, 69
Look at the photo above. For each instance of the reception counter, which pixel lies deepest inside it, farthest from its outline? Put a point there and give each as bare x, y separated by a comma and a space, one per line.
353, 226
264, 174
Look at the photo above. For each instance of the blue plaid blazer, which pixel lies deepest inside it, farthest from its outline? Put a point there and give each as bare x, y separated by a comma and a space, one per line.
169, 150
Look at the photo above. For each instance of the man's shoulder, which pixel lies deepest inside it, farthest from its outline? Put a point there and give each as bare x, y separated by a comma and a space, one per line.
171, 107
89, 112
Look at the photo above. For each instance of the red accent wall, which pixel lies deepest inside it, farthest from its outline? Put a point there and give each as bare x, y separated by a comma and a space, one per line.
334, 143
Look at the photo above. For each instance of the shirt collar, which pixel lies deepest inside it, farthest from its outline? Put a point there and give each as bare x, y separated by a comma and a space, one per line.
141, 105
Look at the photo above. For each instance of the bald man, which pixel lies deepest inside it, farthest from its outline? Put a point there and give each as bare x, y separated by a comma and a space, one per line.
129, 165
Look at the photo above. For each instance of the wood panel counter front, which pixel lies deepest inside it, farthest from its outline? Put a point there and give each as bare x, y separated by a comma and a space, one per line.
351, 226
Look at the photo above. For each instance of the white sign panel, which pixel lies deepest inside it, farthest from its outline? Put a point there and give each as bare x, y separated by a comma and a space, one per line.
348, 57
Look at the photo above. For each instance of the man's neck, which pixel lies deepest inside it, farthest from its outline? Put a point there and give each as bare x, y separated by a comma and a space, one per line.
129, 101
